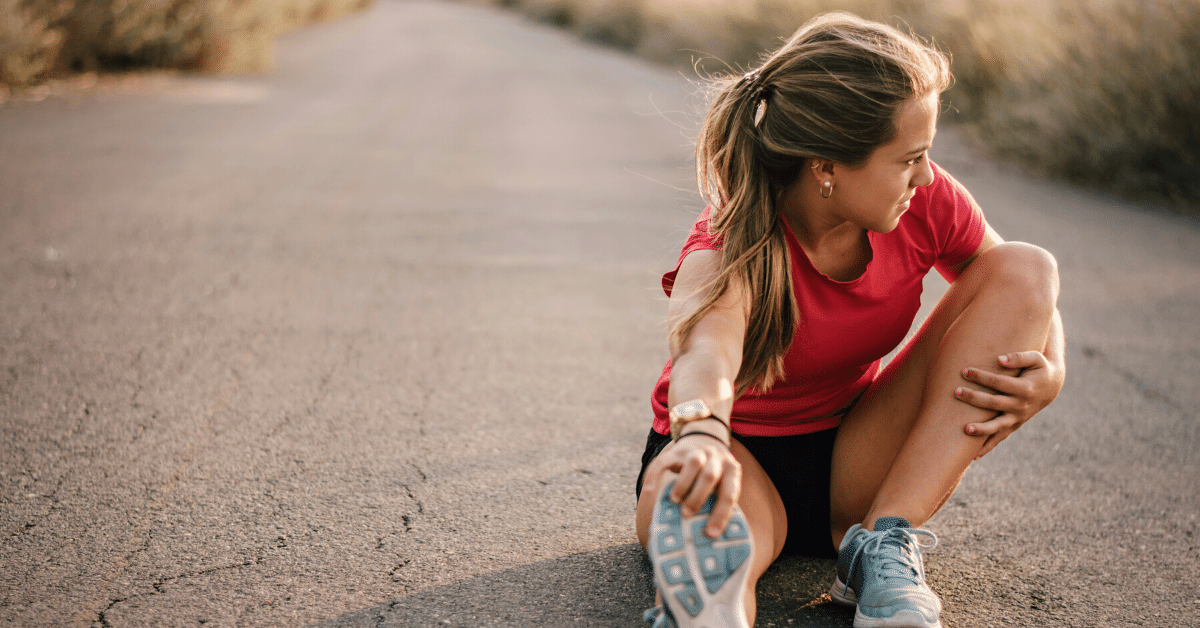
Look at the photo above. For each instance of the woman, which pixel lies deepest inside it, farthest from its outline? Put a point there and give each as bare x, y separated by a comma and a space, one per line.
824, 215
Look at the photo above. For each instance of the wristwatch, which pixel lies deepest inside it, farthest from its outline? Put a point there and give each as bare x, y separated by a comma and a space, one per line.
688, 412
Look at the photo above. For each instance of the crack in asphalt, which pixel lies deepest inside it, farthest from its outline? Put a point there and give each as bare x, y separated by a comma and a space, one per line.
404, 562
157, 585
102, 616
52, 495
407, 519
382, 617
322, 393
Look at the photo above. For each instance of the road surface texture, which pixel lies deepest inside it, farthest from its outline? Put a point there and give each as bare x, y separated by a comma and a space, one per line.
369, 342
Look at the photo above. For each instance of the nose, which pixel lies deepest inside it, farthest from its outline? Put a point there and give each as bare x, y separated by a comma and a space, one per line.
925, 175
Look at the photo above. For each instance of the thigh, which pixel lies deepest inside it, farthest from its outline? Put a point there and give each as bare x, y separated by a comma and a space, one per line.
872, 433
799, 467
759, 502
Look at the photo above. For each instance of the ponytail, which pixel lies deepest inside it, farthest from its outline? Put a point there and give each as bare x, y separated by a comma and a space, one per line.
830, 93
754, 248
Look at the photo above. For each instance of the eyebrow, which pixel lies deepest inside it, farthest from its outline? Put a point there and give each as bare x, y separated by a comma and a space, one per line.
922, 149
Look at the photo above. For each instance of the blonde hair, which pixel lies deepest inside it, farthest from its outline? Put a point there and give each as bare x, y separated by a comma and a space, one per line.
830, 93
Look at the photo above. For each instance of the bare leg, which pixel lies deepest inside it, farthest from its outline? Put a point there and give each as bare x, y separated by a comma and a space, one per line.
762, 507
902, 450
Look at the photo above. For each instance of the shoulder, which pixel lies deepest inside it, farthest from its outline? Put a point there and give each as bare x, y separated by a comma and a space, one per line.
700, 239
701, 235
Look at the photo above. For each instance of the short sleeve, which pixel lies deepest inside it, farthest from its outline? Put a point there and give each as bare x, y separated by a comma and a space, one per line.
956, 221
699, 239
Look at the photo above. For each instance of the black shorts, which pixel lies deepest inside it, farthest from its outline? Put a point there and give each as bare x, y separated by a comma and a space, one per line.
799, 466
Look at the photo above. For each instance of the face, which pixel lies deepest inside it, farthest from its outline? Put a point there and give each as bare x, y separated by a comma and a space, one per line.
875, 194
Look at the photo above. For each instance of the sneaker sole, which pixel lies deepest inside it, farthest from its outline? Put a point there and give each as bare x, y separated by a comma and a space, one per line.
841, 593
902, 619
845, 596
701, 580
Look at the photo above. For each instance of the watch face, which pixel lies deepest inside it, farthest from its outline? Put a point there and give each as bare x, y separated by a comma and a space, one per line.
690, 409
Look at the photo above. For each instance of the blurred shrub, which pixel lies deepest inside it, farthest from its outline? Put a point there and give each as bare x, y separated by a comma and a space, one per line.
40, 38
1101, 92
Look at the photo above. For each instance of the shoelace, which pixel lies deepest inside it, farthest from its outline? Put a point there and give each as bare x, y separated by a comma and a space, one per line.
659, 617
901, 565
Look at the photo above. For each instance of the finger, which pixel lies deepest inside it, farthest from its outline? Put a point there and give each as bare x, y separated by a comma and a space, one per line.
703, 486
986, 401
660, 465
692, 461
994, 426
1006, 384
665, 465
1023, 360
991, 443
728, 492
1011, 385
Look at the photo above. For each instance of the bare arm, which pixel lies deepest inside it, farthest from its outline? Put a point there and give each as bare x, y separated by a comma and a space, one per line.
704, 366
706, 363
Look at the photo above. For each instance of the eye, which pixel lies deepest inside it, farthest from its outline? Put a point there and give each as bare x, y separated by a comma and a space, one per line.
916, 160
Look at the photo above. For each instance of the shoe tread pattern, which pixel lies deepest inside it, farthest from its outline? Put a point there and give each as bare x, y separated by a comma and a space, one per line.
716, 560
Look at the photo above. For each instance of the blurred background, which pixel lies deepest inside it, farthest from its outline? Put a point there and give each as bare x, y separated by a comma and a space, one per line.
1102, 93
363, 334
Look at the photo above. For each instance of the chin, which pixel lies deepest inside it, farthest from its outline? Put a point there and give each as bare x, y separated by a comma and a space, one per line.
889, 226
895, 222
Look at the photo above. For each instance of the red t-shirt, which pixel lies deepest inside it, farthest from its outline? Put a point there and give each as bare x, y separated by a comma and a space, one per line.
847, 327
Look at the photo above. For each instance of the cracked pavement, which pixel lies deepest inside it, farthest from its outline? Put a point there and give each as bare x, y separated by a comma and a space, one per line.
368, 341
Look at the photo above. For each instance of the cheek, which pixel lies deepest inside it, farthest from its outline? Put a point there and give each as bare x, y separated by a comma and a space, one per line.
887, 189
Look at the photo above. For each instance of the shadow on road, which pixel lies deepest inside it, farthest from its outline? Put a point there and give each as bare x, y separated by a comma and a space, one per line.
606, 587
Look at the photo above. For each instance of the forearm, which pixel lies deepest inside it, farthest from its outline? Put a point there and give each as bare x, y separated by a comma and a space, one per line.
705, 370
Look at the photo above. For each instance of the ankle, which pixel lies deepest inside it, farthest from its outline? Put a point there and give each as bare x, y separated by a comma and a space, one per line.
892, 517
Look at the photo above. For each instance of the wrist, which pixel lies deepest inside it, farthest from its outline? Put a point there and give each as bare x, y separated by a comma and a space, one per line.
706, 434
710, 426
692, 412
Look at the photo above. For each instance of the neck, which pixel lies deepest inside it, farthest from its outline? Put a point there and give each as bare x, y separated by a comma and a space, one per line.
815, 227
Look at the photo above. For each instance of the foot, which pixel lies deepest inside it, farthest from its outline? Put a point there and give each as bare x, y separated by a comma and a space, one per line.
702, 580
881, 571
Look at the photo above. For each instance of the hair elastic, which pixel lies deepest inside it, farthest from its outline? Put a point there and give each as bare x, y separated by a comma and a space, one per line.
758, 94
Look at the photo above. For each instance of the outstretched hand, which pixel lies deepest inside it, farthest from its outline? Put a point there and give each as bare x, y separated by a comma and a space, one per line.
1016, 398
700, 465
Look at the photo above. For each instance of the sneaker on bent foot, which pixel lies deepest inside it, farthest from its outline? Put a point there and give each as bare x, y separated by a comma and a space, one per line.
881, 571
701, 580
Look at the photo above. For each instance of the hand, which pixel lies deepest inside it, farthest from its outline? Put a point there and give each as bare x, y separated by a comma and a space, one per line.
699, 465
1016, 398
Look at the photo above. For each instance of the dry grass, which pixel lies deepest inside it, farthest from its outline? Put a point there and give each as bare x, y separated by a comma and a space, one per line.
45, 38
1100, 92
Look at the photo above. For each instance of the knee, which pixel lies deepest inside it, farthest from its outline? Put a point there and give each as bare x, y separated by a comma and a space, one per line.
1026, 273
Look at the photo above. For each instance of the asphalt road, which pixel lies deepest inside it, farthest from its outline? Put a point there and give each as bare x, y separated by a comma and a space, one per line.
369, 342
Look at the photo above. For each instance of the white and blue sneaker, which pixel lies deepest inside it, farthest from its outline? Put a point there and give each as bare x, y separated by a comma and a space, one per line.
882, 573
701, 580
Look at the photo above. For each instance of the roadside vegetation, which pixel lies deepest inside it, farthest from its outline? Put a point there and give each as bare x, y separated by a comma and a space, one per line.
43, 39
1103, 93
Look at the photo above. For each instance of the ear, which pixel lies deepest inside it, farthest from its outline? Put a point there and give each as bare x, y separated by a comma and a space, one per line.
822, 170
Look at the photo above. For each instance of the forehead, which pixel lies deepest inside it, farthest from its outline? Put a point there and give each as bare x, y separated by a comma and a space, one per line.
916, 123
